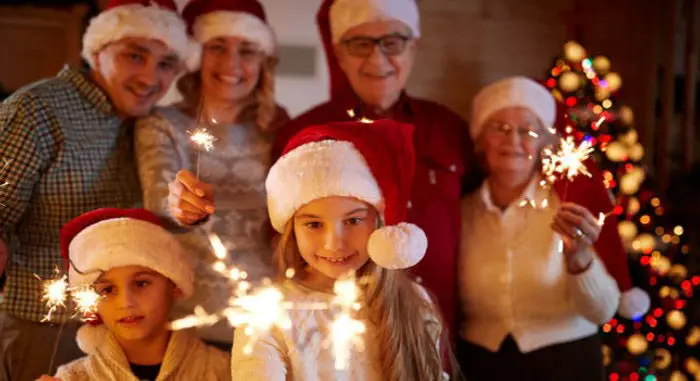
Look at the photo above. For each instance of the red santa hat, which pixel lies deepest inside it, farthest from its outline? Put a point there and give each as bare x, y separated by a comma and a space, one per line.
589, 192
152, 19
209, 19
372, 162
98, 241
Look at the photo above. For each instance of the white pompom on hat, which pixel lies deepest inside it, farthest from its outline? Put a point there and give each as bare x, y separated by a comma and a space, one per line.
98, 241
347, 14
152, 19
512, 92
372, 162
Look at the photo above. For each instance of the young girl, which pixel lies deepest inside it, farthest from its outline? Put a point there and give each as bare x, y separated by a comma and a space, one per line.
339, 197
139, 270
232, 87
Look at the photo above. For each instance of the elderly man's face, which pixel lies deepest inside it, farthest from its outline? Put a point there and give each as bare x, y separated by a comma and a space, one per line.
377, 58
136, 73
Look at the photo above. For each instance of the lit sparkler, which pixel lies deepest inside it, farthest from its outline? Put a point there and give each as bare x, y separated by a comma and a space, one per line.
568, 161
86, 300
345, 331
54, 294
204, 141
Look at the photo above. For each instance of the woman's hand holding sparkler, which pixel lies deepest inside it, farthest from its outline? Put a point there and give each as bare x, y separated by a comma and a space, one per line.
190, 200
579, 229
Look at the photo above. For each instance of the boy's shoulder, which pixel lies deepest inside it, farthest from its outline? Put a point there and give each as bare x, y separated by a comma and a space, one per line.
76, 370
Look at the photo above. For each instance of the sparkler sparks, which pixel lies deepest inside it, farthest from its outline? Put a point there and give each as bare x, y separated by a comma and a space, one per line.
203, 139
568, 161
259, 310
55, 292
346, 331
351, 113
4, 183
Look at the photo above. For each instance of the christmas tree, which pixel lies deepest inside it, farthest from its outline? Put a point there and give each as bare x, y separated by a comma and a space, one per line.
662, 344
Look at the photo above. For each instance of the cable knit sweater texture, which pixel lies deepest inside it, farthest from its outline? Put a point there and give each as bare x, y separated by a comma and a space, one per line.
303, 353
186, 358
513, 279
237, 168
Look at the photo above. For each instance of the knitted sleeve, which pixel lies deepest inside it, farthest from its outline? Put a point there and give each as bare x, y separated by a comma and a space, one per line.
594, 293
160, 155
264, 359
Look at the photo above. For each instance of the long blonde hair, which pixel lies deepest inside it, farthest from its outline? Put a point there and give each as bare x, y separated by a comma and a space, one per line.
261, 109
408, 324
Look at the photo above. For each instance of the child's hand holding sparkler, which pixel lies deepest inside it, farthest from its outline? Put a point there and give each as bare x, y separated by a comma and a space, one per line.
579, 229
190, 200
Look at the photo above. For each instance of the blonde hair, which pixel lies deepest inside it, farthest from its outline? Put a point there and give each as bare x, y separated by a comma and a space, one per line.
261, 109
408, 324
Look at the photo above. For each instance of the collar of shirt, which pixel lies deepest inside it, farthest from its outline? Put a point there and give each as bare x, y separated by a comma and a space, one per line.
87, 88
401, 111
533, 194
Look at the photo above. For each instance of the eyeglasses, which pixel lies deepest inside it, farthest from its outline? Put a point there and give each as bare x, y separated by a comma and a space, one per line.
528, 132
389, 45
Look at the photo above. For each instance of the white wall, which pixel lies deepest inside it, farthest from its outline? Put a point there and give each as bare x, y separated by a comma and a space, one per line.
294, 22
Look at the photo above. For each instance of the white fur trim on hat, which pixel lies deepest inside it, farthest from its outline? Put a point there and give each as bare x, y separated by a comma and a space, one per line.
512, 92
397, 247
634, 303
128, 242
314, 171
347, 14
135, 20
233, 24
90, 337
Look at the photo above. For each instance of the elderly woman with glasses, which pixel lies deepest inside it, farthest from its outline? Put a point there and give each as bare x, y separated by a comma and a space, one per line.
371, 46
533, 288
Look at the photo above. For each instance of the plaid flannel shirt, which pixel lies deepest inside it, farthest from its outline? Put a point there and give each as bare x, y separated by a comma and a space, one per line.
67, 152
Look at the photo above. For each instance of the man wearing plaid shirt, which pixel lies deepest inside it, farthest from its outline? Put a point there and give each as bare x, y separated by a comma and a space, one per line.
65, 149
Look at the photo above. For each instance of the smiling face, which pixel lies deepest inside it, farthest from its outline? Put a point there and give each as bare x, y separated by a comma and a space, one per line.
136, 73
135, 302
331, 235
231, 68
511, 140
377, 74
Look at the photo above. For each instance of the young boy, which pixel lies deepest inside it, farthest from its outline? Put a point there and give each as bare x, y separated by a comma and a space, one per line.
138, 269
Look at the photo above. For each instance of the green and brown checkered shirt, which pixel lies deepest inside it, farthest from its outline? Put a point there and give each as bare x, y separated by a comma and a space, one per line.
67, 152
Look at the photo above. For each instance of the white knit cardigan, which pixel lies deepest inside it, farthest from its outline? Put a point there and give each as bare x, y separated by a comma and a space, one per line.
186, 358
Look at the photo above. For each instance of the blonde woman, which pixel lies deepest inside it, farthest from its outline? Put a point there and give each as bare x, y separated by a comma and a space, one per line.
231, 93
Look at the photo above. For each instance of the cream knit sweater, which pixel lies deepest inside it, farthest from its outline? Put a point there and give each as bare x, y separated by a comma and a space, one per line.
186, 358
513, 279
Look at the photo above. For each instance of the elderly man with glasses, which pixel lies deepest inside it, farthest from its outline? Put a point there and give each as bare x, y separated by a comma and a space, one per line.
371, 47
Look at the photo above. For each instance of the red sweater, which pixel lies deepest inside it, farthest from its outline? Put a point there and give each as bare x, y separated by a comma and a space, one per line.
444, 154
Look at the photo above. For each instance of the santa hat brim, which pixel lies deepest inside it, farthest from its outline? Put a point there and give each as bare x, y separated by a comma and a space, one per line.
512, 92
124, 242
232, 24
136, 21
347, 14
